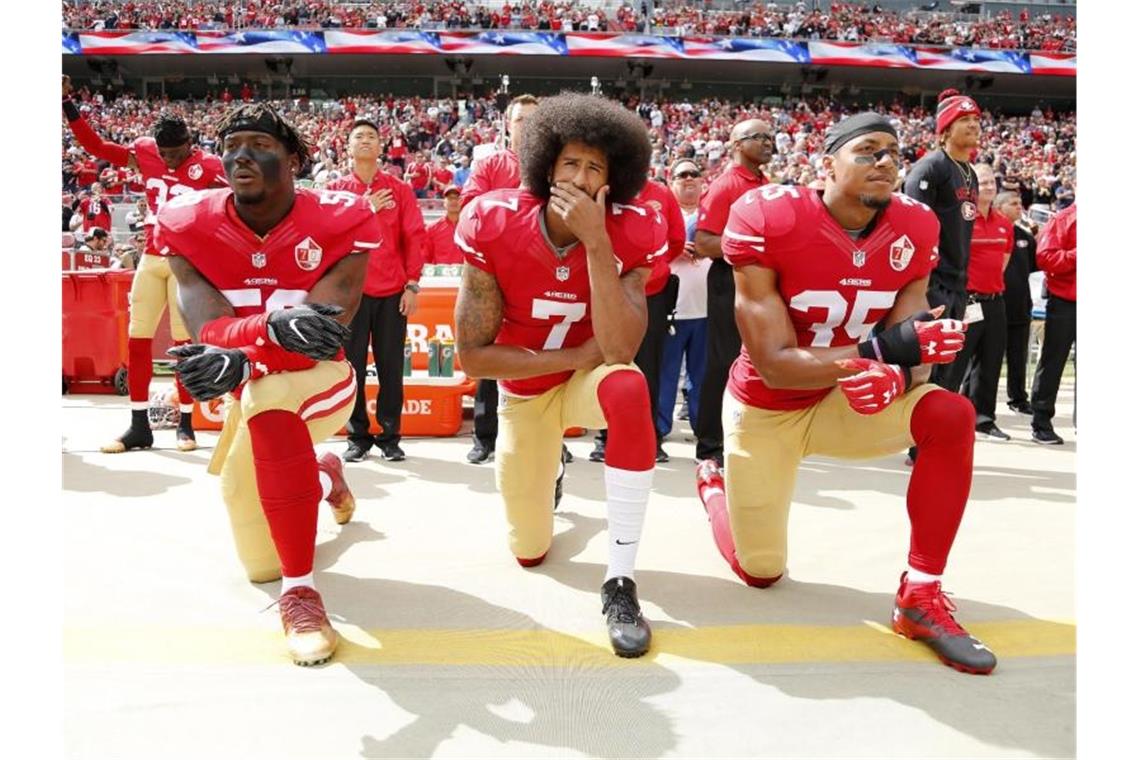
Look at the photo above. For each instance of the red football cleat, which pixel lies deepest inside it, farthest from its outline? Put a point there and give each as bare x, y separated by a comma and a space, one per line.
309, 636
922, 612
340, 497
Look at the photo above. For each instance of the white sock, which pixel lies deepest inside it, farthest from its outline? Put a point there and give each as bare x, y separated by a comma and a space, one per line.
186, 408
326, 484
627, 496
288, 583
917, 576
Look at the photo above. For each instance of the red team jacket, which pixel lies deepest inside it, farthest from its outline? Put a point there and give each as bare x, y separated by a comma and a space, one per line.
257, 275
401, 257
835, 288
546, 300
1057, 254
661, 198
440, 247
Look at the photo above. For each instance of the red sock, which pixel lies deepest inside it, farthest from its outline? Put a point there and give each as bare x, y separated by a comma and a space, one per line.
288, 484
184, 397
632, 441
943, 428
139, 369
716, 506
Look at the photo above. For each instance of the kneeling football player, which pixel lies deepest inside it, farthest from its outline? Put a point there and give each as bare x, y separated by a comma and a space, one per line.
552, 305
838, 343
268, 278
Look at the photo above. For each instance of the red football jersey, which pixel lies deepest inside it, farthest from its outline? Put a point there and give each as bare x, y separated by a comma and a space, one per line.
198, 172
836, 288
262, 274
546, 299
439, 243
660, 198
497, 171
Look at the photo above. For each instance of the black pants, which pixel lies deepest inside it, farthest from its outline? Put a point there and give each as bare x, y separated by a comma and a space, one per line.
659, 307
978, 364
378, 321
1016, 359
487, 412
723, 348
954, 299
1060, 335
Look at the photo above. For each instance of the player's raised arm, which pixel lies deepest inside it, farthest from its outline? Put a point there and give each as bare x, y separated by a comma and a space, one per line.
119, 155
478, 318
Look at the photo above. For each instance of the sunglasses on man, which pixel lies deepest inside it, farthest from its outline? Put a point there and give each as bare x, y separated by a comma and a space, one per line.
688, 174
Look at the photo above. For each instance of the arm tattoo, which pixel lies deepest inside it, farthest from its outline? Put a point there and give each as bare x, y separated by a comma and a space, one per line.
478, 309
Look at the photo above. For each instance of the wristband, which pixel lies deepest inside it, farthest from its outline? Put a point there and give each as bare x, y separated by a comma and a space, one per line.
270, 357
908, 379
236, 332
869, 349
70, 110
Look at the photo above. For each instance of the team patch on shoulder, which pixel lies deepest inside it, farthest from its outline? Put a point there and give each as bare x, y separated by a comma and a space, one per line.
902, 251
308, 254
194, 172
923, 184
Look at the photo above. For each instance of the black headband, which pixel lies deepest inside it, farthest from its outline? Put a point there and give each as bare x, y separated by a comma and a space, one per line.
264, 122
842, 132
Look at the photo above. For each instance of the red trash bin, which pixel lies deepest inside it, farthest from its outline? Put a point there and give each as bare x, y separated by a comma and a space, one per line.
95, 318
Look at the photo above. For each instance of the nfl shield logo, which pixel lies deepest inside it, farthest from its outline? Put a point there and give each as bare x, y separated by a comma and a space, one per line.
562, 273
259, 260
308, 254
858, 258
902, 250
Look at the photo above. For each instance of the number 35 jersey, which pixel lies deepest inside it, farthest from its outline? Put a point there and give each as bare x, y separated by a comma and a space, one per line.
836, 289
258, 274
546, 298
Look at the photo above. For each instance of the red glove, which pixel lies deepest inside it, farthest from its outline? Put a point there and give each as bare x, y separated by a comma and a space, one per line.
873, 386
940, 340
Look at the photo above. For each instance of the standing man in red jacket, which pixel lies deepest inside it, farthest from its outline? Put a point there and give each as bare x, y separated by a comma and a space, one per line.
390, 290
498, 171
1057, 258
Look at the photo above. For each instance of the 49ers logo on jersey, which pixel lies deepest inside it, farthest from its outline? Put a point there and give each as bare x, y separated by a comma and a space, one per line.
902, 251
308, 254
194, 172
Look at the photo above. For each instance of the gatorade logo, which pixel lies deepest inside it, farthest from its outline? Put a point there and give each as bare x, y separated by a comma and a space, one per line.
411, 406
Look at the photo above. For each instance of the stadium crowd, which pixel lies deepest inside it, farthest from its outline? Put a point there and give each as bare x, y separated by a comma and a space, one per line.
843, 21
432, 143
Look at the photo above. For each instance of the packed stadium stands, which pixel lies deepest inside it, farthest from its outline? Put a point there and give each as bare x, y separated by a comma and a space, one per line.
835, 21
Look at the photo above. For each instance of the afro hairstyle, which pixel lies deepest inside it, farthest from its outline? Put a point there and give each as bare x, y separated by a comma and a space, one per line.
592, 120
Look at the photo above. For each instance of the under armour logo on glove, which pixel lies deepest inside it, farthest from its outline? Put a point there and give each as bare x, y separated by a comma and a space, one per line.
309, 330
940, 339
208, 371
873, 386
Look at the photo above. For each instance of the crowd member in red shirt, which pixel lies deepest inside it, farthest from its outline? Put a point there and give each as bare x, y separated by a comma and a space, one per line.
390, 290
441, 175
1057, 257
498, 171
397, 149
94, 210
439, 243
979, 362
418, 175
752, 147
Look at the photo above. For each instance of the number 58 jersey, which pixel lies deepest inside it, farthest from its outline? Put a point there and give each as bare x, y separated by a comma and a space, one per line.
836, 288
546, 298
258, 274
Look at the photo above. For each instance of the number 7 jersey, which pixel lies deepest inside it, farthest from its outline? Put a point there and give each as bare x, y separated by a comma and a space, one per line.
546, 299
836, 289
258, 274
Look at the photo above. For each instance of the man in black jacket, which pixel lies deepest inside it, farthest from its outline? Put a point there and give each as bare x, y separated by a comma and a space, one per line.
1018, 301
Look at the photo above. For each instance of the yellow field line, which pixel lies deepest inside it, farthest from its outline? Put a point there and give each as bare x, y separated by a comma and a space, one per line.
729, 645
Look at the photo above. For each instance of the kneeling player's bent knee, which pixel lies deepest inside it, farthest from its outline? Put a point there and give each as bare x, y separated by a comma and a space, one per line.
943, 417
265, 393
527, 454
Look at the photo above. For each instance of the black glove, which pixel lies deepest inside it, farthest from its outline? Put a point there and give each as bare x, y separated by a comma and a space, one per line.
209, 371
309, 330
897, 344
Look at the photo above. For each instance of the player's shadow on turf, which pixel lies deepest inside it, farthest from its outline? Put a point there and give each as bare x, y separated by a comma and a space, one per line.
448, 472
817, 479
84, 477
967, 704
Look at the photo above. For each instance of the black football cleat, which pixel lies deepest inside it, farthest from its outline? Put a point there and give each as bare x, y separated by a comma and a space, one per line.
558, 485
923, 613
629, 631
136, 437
567, 457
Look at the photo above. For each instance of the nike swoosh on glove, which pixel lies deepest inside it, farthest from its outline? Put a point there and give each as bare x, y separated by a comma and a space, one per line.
308, 329
874, 386
208, 371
